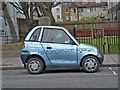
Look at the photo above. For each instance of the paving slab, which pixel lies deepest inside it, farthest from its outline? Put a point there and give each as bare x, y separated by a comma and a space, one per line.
110, 59
16, 62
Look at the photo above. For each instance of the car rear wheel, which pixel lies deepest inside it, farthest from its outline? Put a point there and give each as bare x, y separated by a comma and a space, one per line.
90, 64
35, 65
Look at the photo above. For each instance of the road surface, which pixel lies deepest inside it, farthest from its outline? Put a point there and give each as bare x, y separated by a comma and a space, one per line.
106, 77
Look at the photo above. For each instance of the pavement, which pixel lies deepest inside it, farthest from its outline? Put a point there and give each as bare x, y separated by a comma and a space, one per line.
15, 63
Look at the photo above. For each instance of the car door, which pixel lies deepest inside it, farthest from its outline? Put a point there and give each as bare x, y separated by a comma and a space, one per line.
59, 47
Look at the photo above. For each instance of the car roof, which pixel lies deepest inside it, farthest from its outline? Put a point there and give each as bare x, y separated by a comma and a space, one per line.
49, 26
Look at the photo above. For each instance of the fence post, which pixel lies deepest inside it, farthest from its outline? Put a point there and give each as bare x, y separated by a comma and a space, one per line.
92, 32
104, 48
108, 48
74, 32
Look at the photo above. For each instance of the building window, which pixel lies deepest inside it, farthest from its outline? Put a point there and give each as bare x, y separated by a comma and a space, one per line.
57, 9
58, 16
95, 9
88, 9
2, 32
82, 10
98, 1
84, 2
104, 8
67, 10
67, 17
91, 9
74, 10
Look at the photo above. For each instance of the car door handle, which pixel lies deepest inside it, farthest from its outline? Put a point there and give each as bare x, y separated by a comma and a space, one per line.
49, 47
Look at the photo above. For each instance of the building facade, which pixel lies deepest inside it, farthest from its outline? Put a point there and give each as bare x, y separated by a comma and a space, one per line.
56, 11
114, 11
5, 30
1, 20
79, 10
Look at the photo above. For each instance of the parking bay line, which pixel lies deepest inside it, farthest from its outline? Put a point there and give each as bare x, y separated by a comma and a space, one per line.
112, 70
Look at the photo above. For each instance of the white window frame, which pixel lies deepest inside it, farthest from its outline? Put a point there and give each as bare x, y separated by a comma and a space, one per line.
88, 10
57, 9
67, 18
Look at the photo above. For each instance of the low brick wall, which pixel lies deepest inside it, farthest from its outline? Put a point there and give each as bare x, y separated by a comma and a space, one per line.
11, 50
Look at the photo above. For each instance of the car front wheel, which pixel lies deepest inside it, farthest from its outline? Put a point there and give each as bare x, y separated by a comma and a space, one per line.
90, 64
35, 65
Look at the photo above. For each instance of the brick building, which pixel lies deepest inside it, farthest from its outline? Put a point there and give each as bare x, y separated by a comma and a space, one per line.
75, 11
114, 11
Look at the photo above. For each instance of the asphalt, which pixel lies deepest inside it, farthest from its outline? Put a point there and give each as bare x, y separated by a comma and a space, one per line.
106, 77
15, 63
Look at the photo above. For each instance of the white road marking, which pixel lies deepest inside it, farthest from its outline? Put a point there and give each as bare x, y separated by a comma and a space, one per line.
110, 68
114, 72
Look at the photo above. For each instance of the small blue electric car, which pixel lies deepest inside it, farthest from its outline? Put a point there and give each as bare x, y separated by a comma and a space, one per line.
54, 47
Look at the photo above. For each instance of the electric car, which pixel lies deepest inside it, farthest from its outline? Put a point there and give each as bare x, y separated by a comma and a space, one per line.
49, 47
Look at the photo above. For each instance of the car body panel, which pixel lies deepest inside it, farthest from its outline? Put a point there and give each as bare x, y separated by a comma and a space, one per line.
61, 55
84, 49
35, 48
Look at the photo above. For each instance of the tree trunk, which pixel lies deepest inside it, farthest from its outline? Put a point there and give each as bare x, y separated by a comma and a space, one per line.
48, 12
52, 18
10, 22
29, 24
28, 15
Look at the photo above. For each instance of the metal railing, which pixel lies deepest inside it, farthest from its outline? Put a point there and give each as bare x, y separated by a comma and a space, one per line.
12, 38
108, 41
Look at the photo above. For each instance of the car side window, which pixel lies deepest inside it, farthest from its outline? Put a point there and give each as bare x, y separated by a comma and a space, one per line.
52, 35
35, 35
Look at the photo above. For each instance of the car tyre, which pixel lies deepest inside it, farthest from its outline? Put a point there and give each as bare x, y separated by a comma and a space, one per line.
90, 64
35, 65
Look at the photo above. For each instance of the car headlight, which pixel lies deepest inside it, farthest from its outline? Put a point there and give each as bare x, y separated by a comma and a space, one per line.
99, 53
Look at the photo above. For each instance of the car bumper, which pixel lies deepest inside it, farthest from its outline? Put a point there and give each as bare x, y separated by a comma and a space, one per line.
101, 59
24, 56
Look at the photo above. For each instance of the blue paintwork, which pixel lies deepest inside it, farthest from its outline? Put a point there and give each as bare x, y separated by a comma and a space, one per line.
61, 55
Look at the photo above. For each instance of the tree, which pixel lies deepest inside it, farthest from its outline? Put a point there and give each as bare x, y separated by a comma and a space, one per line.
28, 9
46, 9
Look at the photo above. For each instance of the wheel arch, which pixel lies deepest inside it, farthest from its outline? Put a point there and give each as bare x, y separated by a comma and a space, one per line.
86, 56
34, 55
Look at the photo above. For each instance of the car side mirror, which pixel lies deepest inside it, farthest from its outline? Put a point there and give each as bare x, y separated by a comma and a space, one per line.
72, 42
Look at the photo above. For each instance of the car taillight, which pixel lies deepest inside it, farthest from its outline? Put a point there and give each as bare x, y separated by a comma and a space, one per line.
23, 45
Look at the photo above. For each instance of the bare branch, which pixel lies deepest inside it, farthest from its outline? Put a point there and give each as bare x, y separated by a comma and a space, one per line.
17, 4
54, 5
34, 9
38, 11
21, 13
17, 7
